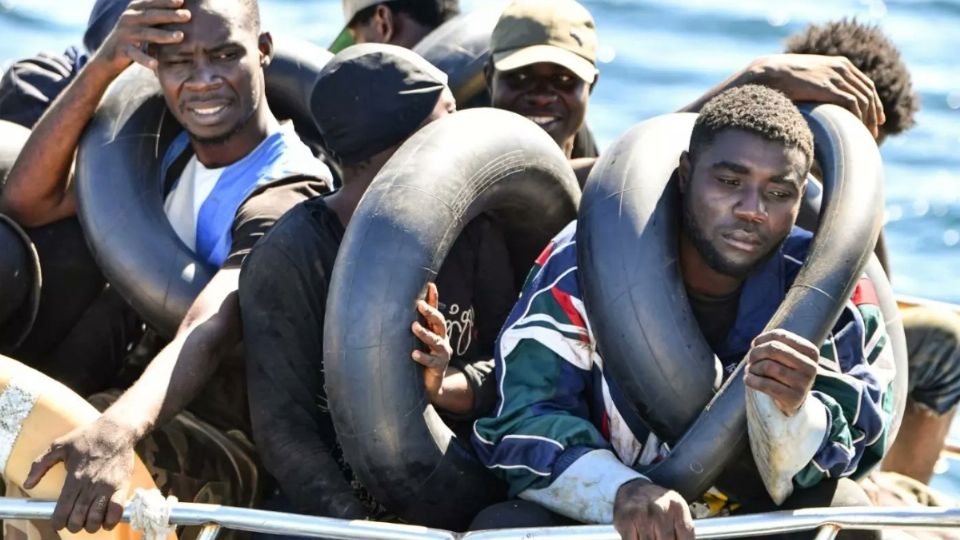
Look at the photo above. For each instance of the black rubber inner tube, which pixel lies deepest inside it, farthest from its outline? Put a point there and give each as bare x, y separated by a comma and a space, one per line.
460, 48
120, 189
481, 161
19, 264
645, 328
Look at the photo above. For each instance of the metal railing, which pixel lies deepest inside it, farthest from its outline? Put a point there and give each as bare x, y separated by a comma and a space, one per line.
828, 521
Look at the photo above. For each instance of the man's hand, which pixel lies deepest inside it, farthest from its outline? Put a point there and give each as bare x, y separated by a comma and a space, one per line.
138, 28
782, 365
99, 460
646, 511
434, 336
822, 79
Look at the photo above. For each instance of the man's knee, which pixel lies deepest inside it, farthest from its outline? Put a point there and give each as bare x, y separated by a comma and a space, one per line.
933, 345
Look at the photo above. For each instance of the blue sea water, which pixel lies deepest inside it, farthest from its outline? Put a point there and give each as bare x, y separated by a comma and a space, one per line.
658, 55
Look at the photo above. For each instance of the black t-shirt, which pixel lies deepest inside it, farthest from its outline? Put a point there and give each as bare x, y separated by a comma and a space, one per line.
715, 315
283, 294
223, 401
267, 204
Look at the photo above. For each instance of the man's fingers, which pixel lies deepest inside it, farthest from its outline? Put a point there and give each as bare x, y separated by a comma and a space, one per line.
428, 360
428, 338
44, 463
627, 530
433, 297
684, 526
156, 35
114, 510
778, 372
434, 318
782, 353
664, 528
871, 90
784, 395
143, 5
864, 93
98, 510
64, 507
78, 517
797, 343
140, 57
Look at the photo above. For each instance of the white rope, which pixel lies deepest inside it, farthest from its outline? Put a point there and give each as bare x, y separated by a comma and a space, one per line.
150, 513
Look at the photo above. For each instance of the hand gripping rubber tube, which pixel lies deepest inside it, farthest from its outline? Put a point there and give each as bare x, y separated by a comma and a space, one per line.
642, 319
120, 190
476, 161
35, 410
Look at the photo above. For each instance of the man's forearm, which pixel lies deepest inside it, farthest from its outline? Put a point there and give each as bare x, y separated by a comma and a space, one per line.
38, 188
749, 75
172, 380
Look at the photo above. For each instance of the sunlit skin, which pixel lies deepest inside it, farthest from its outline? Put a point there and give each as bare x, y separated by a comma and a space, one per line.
389, 26
213, 82
741, 197
550, 95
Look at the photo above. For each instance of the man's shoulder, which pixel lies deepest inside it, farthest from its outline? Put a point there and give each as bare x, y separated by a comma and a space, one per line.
31, 84
277, 197
561, 252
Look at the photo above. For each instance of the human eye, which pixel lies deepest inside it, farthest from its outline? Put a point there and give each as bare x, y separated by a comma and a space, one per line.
226, 56
517, 78
175, 60
729, 181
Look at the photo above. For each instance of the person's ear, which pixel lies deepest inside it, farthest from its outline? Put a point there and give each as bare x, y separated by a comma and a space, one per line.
684, 170
385, 23
265, 44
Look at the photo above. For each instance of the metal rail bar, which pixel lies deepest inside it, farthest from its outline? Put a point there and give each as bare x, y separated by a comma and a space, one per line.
263, 521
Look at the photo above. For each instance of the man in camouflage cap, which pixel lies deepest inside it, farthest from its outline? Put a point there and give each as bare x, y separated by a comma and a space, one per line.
396, 22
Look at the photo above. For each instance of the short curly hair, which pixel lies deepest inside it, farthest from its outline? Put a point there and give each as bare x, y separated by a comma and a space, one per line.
754, 109
872, 52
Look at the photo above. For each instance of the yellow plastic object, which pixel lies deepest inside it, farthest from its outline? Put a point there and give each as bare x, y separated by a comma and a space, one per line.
55, 412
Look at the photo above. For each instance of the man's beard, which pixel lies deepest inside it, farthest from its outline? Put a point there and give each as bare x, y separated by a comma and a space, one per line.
710, 254
224, 138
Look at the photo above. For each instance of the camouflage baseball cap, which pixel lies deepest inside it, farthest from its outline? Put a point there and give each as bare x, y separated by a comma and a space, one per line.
556, 31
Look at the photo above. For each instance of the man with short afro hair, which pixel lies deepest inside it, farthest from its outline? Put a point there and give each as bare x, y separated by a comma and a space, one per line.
749, 108
872, 52
568, 452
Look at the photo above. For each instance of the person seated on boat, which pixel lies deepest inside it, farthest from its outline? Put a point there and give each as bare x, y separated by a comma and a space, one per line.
82, 328
209, 58
30, 85
395, 22
741, 184
368, 100
933, 335
543, 65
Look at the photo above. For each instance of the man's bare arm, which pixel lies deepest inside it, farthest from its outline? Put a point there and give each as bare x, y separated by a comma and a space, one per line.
99, 456
809, 77
39, 188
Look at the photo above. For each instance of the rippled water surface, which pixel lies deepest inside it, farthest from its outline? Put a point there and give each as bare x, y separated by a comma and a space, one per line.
659, 55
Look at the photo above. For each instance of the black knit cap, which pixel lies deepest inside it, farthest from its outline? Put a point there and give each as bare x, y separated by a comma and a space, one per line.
373, 96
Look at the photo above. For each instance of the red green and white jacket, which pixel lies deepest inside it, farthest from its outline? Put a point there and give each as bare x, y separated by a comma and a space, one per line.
559, 436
